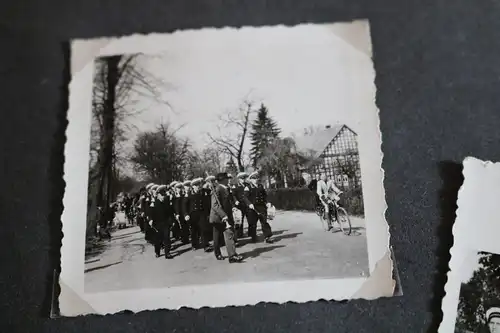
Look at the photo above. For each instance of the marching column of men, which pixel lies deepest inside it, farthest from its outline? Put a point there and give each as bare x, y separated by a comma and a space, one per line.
201, 210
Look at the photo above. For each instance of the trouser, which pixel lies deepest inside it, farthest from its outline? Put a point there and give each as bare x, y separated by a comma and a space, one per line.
194, 228
201, 228
219, 231
252, 224
239, 228
208, 227
262, 218
327, 213
140, 222
162, 237
176, 229
149, 233
184, 230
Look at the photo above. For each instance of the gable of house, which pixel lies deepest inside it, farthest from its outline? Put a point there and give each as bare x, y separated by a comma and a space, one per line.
313, 146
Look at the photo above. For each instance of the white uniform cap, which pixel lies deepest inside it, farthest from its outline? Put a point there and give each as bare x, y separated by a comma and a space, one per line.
242, 175
493, 312
210, 178
196, 181
254, 174
149, 186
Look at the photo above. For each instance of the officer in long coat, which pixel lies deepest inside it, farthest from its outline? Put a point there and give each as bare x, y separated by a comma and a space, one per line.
258, 197
207, 198
221, 219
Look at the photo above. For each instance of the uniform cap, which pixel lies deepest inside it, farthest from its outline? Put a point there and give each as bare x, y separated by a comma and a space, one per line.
172, 184
210, 178
221, 176
187, 183
254, 174
242, 175
196, 181
493, 312
154, 187
149, 186
161, 187
178, 185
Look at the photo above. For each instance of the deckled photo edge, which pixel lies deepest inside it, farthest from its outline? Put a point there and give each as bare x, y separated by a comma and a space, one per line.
95, 46
460, 250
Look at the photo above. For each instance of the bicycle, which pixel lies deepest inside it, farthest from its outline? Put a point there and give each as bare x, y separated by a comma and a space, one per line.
336, 213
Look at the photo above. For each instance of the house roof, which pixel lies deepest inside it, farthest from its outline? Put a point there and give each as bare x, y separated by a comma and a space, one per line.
313, 145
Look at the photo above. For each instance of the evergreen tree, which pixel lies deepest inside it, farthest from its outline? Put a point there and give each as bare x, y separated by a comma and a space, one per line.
264, 131
479, 293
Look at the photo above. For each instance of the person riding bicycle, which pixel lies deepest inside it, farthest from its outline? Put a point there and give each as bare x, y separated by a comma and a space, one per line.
323, 194
333, 191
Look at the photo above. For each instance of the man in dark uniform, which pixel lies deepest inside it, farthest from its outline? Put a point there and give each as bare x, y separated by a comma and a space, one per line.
178, 202
140, 208
176, 228
198, 218
185, 206
221, 218
162, 222
207, 201
150, 233
258, 196
242, 196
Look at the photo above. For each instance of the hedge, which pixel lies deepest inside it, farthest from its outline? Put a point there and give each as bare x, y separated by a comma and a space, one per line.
304, 199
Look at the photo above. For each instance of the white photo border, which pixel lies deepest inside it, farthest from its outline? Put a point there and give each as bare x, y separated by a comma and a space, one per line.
74, 301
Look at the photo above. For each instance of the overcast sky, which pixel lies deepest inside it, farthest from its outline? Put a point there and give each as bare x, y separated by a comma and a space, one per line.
469, 266
306, 75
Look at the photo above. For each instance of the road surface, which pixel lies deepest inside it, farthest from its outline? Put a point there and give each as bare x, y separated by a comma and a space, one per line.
302, 250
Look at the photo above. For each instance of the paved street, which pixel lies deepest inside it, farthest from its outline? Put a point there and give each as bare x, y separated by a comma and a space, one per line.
302, 250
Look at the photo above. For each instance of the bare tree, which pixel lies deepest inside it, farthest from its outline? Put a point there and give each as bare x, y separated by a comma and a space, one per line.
312, 129
280, 161
118, 81
233, 132
161, 155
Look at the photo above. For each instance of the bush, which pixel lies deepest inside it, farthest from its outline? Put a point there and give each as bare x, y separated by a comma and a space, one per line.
304, 199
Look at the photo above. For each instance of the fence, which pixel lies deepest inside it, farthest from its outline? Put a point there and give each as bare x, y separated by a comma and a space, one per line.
304, 199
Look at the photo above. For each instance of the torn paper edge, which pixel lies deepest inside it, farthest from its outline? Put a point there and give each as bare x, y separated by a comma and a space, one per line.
379, 284
463, 243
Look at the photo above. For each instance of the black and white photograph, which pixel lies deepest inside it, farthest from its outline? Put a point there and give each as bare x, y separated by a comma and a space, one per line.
479, 300
220, 167
472, 300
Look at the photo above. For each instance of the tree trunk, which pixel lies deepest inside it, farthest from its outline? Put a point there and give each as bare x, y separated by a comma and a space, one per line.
109, 117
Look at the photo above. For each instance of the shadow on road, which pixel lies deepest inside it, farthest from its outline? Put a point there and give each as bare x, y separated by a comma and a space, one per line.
101, 267
279, 232
355, 231
94, 248
125, 235
286, 236
179, 252
246, 240
260, 250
